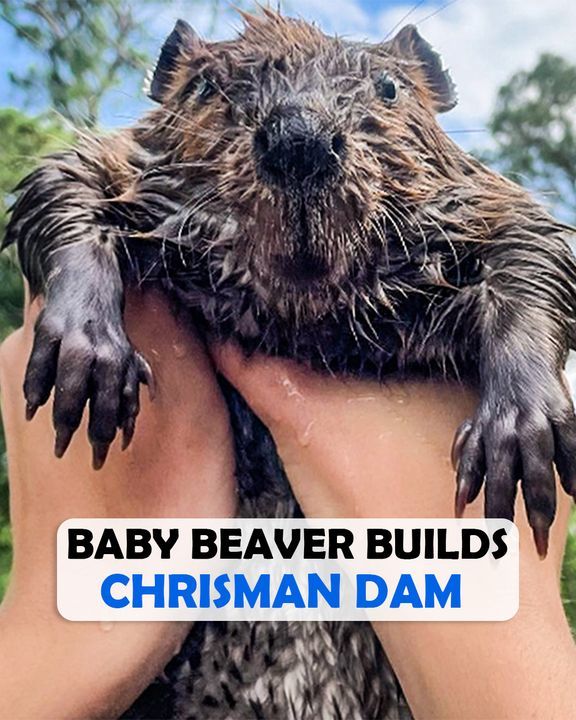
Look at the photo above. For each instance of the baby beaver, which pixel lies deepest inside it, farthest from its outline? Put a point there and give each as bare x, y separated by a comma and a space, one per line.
294, 192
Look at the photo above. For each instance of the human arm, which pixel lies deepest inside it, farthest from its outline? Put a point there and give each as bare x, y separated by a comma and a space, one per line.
356, 449
179, 465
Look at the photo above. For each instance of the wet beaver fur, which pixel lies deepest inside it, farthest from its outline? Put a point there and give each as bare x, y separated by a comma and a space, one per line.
294, 192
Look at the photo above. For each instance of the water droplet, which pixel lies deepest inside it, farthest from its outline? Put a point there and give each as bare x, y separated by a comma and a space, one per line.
179, 350
291, 389
361, 398
403, 397
305, 436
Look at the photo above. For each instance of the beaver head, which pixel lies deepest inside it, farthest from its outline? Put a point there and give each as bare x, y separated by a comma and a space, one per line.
307, 151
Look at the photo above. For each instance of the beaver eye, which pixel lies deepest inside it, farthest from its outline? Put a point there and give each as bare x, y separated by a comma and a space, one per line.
205, 89
386, 88
200, 87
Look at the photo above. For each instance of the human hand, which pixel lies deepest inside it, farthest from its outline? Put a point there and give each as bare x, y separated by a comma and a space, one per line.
180, 464
358, 449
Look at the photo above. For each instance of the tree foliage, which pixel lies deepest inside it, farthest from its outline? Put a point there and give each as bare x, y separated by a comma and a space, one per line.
80, 49
534, 127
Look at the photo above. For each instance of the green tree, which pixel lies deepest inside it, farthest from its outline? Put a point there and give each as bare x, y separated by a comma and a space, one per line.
533, 126
79, 51
569, 575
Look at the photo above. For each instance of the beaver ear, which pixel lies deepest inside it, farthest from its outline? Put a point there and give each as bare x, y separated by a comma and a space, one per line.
181, 41
409, 45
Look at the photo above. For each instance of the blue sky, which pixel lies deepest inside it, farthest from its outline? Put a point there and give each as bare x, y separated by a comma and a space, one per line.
482, 42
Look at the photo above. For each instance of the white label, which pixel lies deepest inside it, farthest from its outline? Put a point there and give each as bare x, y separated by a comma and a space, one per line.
251, 569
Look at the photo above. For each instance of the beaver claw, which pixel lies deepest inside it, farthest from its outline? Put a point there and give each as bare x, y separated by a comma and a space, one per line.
513, 440
89, 362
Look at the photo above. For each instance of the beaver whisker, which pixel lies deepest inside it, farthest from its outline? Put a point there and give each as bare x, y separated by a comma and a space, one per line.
198, 204
377, 225
374, 224
188, 209
363, 309
406, 214
359, 231
387, 215
199, 131
449, 242
188, 122
411, 220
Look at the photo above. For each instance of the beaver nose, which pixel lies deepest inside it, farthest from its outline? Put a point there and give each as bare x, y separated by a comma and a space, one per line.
293, 146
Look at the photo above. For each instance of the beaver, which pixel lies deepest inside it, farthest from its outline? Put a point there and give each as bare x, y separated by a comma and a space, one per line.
294, 192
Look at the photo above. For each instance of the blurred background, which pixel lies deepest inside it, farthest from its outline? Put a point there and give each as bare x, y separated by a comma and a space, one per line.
81, 63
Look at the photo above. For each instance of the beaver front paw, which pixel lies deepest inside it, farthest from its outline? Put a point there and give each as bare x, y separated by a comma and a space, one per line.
85, 361
519, 439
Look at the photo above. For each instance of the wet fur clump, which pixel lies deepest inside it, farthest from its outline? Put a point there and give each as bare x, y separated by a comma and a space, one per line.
294, 192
